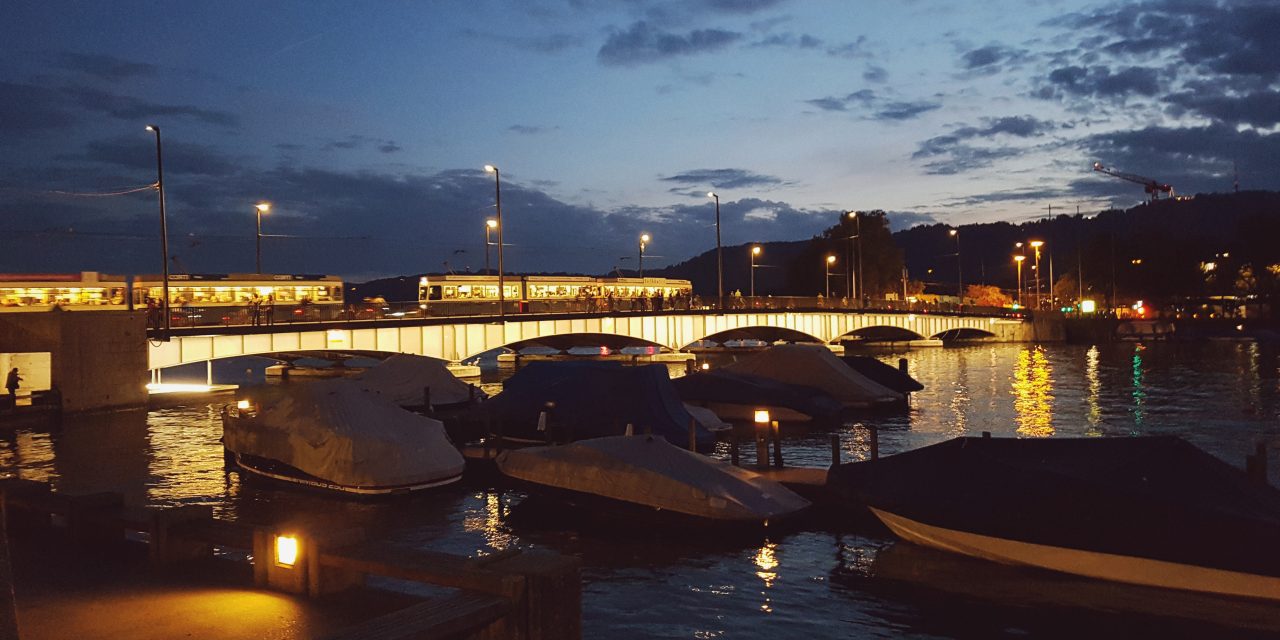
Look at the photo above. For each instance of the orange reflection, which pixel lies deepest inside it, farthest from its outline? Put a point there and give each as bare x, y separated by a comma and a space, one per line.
1095, 390
1033, 393
487, 520
766, 562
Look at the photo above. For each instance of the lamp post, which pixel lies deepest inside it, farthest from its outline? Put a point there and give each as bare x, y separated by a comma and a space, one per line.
826, 266
259, 209
1018, 261
164, 230
855, 275
489, 225
955, 233
755, 251
497, 202
719, 254
644, 240
1036, 244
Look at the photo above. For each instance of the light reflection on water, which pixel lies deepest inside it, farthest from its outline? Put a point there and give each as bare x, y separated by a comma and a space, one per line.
1222, 397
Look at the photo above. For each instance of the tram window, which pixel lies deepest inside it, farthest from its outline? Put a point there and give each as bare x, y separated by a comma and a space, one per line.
433, 292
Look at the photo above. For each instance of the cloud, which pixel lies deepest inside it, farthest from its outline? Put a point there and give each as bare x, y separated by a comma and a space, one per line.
1100, 82
984, 56
103, 66
27, 108
721, 179
643, 43
1191, 158
877, 108
548, 43
530, 130
788, 41
355, 141
741, 6
1256, 108
950, 154
875, 74
179, 157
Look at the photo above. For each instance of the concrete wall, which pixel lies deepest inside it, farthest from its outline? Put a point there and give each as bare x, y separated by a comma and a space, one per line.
99, 358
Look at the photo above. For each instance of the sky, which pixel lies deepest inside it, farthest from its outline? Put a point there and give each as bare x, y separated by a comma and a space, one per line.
367, 124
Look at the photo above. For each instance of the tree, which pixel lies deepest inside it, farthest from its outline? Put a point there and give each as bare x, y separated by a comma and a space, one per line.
880, 262
984, 295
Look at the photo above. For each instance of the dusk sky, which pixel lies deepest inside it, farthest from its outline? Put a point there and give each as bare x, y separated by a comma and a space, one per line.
367, 124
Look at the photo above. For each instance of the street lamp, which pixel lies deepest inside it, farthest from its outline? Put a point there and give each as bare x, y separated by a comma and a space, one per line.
719, 254
755, 251
827, 269
164, 230
1018, 261
489, 225
857, 281
955, 233
1036, 244
497, 202
644, 240
259, 209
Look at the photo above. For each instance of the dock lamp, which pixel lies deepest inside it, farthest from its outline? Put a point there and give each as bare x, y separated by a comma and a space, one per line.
497, 202
762, 416
286, 551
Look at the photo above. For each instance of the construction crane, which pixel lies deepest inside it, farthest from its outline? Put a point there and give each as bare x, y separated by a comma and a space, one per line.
1153, 187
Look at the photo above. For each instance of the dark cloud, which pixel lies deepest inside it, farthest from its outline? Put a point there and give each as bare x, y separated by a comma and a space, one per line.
851, 50
550, 43
951, 154
25, 108
905, 110
899, 220
875, 74
1192, 159
179, 157
983, 57
722, 179
741, 6
861, 97
789, 41
360, 142
103, 66
530, 130
130, 108
1257, 108
388, 146
643, 43
1101, 82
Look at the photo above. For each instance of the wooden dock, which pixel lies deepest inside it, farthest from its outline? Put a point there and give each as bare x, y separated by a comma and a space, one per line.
507, 595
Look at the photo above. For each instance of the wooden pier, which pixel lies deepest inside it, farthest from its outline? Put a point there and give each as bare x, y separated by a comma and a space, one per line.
514, 595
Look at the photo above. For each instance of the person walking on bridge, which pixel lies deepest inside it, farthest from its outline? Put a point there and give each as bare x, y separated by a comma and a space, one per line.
11, 383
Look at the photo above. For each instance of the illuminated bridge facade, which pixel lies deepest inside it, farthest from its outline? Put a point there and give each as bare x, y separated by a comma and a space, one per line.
460, 339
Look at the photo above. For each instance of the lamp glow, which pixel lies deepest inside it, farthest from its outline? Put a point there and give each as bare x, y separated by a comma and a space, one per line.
263, 207
755, 250
286, 551
762, 416
493, 224
1088, 306
490, 168
243, 405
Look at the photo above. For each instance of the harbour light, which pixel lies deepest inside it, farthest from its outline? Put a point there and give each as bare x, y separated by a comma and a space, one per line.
762, 416
286, 551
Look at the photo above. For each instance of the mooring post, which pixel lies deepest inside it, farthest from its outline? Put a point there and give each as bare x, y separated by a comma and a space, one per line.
835, 449
1255, 466
762, 446
776, 432
690, 366
874, 433
426, 400
693, 434
902, 365
986, 434
733, 447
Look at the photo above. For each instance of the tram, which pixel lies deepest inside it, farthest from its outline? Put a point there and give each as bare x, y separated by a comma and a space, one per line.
456, 294
93, 290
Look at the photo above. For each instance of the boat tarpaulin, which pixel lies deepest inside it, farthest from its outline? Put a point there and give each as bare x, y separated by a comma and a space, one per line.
336, 431
403, 379
882, 373
815, 366
649, 471
593, 399
1149, 497
730, 387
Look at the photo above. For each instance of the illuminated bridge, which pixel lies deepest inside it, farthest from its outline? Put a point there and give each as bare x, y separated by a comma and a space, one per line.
459, 339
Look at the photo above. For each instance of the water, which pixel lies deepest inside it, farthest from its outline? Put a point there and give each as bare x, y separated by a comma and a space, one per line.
814, 583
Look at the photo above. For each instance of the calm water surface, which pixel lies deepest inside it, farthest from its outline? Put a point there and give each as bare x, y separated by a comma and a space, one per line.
817, 582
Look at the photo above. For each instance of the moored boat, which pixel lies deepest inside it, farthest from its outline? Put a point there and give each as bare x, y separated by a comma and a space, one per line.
815, 366
649, 474
334, 435
1152, 511
737, 396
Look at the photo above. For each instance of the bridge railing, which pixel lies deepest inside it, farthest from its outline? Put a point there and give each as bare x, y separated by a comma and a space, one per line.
190, 316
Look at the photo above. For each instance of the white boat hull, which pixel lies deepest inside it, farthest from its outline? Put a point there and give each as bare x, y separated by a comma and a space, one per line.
317, 483
1092, 564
